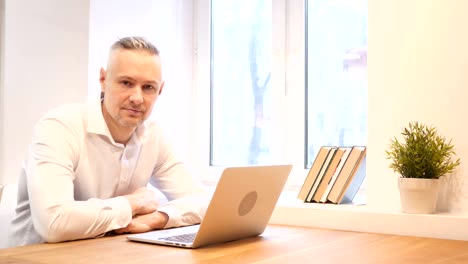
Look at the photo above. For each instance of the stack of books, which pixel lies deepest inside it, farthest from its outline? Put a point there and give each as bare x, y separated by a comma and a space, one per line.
335, 175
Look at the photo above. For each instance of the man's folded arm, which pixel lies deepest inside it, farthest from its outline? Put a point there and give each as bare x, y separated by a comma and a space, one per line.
82, 219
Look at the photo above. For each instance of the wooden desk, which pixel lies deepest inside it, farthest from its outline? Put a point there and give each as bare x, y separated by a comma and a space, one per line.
279, 244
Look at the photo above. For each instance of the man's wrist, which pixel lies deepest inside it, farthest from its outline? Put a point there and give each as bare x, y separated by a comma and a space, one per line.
160, 220
133, 203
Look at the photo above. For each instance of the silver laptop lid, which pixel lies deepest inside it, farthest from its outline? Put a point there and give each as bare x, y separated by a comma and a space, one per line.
242, 203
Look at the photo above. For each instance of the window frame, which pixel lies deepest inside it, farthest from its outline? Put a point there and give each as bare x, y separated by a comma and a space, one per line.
288, 55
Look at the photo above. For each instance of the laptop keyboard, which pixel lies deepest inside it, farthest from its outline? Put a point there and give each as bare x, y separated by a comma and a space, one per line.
184, 238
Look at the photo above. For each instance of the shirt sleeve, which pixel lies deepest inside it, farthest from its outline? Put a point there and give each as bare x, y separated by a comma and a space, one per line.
187, 199
56, 216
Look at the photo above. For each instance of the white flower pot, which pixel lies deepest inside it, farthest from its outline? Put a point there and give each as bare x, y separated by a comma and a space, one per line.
418, 196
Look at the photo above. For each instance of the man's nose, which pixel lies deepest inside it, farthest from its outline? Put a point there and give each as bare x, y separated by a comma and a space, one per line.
136, 96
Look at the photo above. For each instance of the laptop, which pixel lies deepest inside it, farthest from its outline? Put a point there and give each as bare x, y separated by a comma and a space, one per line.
240, 207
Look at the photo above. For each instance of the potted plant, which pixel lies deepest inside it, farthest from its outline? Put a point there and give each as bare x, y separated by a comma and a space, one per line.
421, 158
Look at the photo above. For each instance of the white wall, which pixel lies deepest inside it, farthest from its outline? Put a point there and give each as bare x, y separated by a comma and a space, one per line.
2, 70
45, 64
418, 70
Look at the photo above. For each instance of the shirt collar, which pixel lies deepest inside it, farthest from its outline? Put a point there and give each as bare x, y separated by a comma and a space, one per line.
96, 122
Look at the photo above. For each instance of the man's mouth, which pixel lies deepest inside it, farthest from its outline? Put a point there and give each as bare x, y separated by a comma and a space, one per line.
134, 111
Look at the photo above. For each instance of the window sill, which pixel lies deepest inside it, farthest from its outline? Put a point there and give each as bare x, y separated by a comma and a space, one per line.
361, 218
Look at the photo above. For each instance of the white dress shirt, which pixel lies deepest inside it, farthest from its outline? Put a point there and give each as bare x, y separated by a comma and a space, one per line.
75, 174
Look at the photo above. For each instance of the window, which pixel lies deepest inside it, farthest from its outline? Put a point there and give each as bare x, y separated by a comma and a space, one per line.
285, 78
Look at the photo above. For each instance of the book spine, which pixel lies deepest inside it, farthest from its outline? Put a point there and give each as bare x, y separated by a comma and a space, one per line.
323, 170
343, 160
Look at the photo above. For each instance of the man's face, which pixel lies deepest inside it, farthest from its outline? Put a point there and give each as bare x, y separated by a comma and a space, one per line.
131, 84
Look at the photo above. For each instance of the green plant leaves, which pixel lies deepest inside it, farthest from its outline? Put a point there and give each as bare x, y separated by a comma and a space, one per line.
423, 153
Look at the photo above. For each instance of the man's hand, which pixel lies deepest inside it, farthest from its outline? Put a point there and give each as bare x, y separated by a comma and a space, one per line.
145, 223
143, 201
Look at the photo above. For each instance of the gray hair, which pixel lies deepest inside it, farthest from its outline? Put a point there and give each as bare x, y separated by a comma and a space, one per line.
135, 43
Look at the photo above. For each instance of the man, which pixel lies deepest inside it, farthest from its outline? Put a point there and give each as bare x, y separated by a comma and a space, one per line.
88, 165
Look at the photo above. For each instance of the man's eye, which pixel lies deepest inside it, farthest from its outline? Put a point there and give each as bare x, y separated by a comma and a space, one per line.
126, 83
149, 88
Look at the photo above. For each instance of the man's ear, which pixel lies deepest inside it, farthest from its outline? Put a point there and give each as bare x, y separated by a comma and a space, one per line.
102, 78
161, 88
